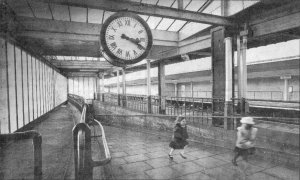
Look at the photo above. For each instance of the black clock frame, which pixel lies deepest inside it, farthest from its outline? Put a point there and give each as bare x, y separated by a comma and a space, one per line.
108, 55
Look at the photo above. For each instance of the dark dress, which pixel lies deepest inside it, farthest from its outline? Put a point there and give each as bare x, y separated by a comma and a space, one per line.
179, 137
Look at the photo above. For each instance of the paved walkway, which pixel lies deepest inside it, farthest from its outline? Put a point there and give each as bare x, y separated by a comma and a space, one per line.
139, 155
135, 155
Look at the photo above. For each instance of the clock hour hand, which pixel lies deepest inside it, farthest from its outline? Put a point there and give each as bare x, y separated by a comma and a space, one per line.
135, 41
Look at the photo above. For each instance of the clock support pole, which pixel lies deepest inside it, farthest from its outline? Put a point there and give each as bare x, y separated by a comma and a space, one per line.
161, 88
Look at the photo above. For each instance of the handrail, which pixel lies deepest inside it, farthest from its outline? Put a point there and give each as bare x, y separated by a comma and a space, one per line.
37, 147
83, 114
106, 149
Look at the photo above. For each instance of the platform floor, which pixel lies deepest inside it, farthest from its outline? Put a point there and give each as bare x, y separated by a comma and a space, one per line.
135, 155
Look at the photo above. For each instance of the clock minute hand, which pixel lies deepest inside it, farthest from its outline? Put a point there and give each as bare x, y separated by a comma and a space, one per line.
135, 41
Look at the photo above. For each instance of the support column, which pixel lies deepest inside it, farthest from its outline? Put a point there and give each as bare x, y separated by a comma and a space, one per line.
124, 102
118, 88
243, 105
98, 87
148, 76
102, 87
161, 88
228, 83
286, 87
176, 89
192, 89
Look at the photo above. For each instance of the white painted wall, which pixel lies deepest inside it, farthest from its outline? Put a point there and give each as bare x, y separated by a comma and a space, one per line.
27, 87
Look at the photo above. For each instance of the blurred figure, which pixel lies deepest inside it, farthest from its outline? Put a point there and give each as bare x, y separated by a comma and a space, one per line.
179, 138
245, 139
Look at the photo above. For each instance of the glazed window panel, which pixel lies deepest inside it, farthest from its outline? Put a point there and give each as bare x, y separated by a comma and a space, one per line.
34, 87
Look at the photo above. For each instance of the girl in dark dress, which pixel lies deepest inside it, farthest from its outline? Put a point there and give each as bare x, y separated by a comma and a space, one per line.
180, 136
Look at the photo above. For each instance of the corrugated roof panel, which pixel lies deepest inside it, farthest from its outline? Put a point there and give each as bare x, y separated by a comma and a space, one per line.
41, 10
60, 12
95, 16
20, 7
165, 23
177, 25
153, 21
78, 14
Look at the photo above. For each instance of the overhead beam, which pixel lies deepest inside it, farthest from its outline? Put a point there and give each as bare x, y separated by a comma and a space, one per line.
55, 29
148, 9
271, 20
83, 65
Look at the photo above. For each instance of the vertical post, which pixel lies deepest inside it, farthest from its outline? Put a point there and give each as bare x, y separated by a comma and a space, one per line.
228, 82
285, 87
176, 89
161, 87
243, 72
148, 75
37, 145
118, 88
98, 86
102, 87
192, 89
124, 102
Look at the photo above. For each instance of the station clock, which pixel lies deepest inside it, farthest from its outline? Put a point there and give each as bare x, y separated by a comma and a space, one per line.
125, 39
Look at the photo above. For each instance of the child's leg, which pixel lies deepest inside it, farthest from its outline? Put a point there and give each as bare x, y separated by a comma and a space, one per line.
170, 154
171, 151
236, 155
182, 152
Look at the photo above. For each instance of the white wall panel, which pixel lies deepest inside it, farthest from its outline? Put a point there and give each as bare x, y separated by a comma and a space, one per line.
19, 87
30, 87
4, 118
34, 87
25, 87
38, 91
12, 86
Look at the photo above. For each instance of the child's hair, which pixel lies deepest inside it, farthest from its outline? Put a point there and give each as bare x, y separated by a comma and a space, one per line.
179, 119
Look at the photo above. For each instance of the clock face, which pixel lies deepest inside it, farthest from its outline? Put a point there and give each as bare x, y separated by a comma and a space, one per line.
126, 38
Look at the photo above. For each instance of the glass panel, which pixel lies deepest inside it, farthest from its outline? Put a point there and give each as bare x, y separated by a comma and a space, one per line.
149, 1
195, 5
165, 23
60, 12
213, 6
20, 7
78, 14
107, 14
166, 3
192, 28
41, 10
177, 25
95, 16
153, 21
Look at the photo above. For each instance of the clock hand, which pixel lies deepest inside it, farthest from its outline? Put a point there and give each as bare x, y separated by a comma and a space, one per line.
135, 41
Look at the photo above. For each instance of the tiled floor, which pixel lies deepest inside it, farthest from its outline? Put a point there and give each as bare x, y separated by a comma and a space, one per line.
135, 155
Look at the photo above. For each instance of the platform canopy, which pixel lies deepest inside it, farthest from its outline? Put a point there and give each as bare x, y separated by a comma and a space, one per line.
69, 30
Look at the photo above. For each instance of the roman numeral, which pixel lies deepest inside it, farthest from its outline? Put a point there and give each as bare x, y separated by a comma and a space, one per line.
113, 45
142, 39
120, 23
127, 54
113, 29
111, 37
141, 31
134, 52
140, 47
134, 25
127, 22
119, 51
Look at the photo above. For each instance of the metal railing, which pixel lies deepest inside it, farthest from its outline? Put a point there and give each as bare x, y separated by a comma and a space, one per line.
83, 147
37, 147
